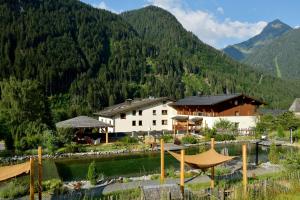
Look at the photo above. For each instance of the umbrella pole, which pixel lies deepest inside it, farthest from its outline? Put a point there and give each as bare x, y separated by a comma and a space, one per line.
162, 161
212, 170
40, 171
31, 179
245, 168
182, 171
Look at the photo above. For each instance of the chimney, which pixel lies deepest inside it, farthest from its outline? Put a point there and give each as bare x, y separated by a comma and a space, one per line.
128, 101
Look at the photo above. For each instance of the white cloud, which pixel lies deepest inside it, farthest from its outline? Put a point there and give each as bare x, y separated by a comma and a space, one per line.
297, 26
102, 5
220, 10
207, 27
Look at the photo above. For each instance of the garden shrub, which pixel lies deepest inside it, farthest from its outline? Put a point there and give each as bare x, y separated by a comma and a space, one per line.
129, 140
280, 131
92, 173
14, 189
273, 154
223, 137
189, 139
170, 172
73, 148
167, 138
52, 185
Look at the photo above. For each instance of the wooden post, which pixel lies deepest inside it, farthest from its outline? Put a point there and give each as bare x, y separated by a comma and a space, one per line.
245, 167
31, 179
182, 171
106, 135
40, 168
187, 126
212, 169
162, 161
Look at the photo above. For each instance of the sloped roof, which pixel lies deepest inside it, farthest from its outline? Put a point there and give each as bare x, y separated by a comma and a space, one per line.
130, 105
204, 160
82, 122
12, 171
295, 107
208, 100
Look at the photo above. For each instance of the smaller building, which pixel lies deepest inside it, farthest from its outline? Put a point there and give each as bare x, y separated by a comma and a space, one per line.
139, 115
198, 112
295, 107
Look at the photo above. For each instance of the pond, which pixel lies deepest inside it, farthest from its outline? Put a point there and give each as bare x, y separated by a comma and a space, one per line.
139, 164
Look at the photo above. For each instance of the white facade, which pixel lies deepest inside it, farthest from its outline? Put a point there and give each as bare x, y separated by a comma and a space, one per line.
244, 122
156, 117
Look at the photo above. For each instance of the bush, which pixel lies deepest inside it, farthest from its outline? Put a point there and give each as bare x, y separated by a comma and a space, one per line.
129, 140
14, 189
273, 154
92, 173
280, 131
167, 138
223, 137
210, 133
52, 185
73, 148
170, 172
189, 139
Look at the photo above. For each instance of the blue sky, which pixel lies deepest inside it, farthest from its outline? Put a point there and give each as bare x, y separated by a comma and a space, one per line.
217, 22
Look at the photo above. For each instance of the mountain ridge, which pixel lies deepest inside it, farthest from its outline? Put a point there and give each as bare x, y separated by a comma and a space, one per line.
273, 30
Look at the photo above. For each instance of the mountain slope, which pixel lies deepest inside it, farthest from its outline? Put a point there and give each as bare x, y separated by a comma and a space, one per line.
279, 58
216, 72
273, 30
88, 58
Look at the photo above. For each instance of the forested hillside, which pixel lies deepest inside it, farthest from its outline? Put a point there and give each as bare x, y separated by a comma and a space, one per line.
87, 58
203, 68
279, 58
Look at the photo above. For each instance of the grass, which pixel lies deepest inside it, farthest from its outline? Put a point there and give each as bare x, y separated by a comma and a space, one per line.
198, 186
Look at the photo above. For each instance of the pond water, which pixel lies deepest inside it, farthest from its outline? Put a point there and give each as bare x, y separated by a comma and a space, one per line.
139, 164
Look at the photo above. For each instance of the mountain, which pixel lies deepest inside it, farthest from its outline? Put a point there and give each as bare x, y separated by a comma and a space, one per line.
280, 58
88, 58
243, 50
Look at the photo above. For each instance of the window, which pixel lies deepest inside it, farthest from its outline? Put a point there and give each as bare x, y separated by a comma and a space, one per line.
154, 122
123, 116
140, 123
140, 112
134, 112
164, 122
133, 123
154, 112
164, 112
237, 113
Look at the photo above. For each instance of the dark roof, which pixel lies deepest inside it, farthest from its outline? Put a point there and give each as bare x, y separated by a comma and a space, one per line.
207, 100
295, 107
82, 122
130, 105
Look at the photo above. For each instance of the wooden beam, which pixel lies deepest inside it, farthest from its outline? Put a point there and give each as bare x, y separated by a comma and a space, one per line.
187, 126
31, 196
162, 161
182, 171
40, 168
245, 168
106, 135
212, 170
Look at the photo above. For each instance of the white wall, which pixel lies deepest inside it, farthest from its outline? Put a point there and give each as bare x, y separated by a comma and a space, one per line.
147, 117
108, 121
245, 122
